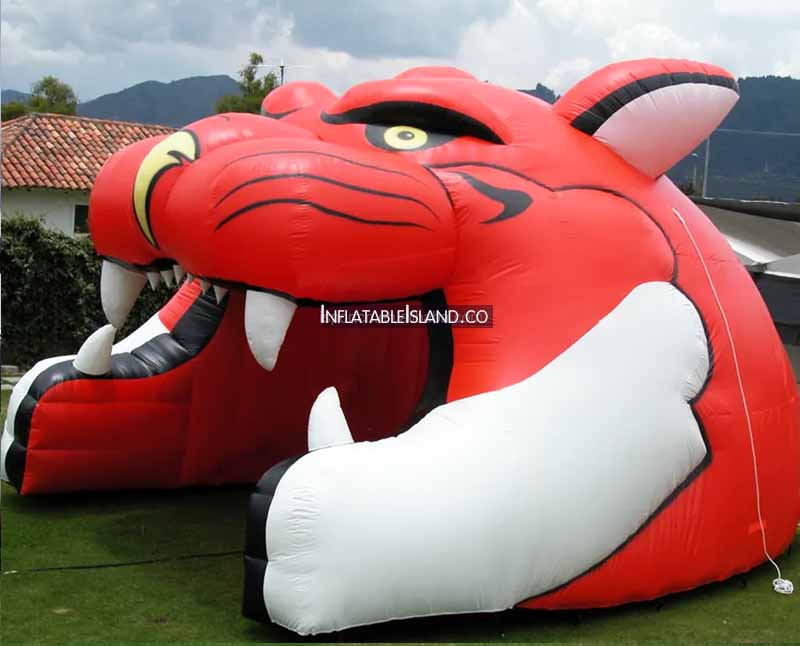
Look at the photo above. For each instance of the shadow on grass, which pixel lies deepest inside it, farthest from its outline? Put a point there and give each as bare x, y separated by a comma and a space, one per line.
594, 625
118, 500
199, 599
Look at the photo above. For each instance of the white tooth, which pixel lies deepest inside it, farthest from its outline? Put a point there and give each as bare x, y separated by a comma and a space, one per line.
219, 293
119, 289
94, 357
204, 285
154, 278
179, 273
168, 276
266, 319
327, 425
189, 278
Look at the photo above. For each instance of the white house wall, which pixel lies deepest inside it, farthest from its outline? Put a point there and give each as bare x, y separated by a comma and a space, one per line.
56, 209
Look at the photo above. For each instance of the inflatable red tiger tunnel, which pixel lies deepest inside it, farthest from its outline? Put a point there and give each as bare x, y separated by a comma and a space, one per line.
626, 427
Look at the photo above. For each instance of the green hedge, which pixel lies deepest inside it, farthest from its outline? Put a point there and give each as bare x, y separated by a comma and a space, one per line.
51, 293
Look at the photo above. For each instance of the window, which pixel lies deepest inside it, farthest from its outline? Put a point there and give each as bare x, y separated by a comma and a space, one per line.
81, 219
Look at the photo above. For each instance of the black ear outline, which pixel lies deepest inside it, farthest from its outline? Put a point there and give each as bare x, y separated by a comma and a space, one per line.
591, 119
650, 112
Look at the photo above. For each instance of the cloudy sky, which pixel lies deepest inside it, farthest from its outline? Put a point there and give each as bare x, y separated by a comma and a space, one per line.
101, 46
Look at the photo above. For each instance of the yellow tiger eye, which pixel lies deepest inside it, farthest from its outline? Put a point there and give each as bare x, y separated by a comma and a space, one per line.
405, 137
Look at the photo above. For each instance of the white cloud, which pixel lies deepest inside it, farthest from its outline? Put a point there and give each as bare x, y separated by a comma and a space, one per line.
648, 39
764, 9
790, 64
567, 73
101, 46
506, 50
17, 51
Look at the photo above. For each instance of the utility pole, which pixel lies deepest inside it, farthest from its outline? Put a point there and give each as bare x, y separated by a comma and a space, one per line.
705, 166
768, 133
282, 67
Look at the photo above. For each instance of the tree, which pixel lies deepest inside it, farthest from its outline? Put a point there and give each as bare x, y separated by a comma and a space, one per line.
252, 89
48, 95
52, 95
13, 109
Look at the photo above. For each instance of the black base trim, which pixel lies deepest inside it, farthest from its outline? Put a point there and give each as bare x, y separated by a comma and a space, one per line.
15, 464
253, 606
255, 551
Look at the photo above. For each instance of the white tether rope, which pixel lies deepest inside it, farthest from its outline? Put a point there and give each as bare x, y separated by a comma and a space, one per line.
781, 585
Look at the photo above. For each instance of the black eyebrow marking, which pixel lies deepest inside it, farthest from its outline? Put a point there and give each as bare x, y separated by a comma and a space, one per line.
572, 187
280, 115
322, 178
319, 207
427, 116
514, 202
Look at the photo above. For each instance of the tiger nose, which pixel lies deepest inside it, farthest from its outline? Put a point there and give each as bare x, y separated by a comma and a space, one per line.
131, 191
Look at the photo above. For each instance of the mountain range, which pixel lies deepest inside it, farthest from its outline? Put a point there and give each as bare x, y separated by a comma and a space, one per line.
171, 104
744, 162
14, 95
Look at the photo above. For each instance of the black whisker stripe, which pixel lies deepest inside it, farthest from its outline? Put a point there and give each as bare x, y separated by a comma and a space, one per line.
328, 180
441, 183
321, 154
570, 187
319, 207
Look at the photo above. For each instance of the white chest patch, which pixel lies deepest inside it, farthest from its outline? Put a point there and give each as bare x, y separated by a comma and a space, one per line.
498, 497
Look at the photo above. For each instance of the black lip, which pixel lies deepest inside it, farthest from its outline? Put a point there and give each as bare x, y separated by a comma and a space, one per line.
159, 264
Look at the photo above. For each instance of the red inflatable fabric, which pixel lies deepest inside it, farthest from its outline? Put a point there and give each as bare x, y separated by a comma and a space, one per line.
431, 188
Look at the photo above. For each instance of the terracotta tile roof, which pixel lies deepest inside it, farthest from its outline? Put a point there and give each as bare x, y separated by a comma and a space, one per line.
64, 152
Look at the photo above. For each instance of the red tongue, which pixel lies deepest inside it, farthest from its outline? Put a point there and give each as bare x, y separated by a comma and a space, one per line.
177, 306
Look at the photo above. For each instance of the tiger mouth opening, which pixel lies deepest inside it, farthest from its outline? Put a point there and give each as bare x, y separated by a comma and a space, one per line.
269, 315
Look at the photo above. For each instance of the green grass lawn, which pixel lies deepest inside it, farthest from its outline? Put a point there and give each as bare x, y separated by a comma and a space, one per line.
186, 586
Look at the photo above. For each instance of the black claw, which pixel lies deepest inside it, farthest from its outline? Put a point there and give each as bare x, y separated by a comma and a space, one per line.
15, 464
255, 551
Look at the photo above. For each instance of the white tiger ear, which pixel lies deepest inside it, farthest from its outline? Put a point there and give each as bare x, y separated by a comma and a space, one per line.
651, 112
